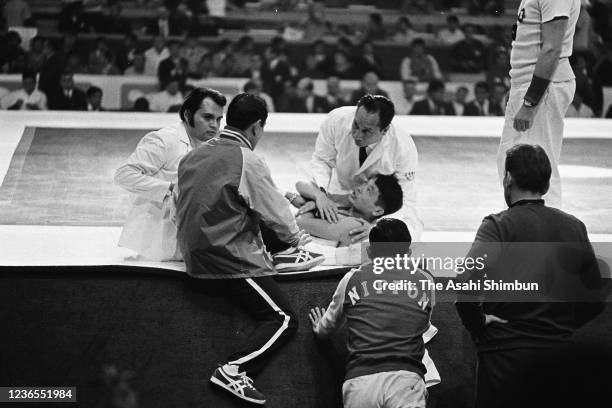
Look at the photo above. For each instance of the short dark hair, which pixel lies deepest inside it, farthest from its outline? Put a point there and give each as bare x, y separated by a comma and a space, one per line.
417, 41
390, 230
93, 90
529, 167
481, 85
28, 75
380, 104
246, 109
195, 98
249, 86
435, 85
452, 19
391, 196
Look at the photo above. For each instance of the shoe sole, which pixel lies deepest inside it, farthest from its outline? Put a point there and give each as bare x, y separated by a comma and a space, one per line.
220, 383
300, 267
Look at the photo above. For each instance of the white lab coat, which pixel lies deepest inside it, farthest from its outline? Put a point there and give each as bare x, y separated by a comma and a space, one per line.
149, 229
335, 162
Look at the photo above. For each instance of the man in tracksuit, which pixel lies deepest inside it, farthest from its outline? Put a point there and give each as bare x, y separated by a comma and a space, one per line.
225, 191
528, 242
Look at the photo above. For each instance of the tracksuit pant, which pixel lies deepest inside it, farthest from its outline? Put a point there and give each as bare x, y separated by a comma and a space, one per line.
276, 321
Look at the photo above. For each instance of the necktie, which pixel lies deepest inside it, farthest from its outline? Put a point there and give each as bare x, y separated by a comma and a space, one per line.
363, 154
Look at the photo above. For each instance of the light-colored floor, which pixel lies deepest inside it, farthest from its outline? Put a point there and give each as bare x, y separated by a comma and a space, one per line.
457, 180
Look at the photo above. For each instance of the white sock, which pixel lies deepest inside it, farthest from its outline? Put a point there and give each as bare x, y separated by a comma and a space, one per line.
231, 369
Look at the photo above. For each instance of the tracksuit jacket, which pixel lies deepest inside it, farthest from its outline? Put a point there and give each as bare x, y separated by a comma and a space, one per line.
225, 191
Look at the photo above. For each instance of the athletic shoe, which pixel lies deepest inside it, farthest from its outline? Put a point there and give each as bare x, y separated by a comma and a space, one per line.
296, 259
239, 384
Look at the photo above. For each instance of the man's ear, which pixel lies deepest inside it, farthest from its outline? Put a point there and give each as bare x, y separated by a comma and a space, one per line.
378, 211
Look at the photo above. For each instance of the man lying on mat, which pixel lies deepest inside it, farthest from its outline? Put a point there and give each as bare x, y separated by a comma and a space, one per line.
380, 195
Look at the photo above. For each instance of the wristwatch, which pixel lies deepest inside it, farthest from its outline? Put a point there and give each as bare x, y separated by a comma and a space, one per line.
529, 104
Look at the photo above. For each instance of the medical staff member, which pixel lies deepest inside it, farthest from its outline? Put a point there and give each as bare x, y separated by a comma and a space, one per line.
150, 173
357, 143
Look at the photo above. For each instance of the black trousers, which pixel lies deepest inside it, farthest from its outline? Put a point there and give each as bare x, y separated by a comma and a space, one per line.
271, 241
265, 302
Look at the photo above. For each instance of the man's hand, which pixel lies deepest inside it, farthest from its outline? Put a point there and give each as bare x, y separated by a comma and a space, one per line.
493, 319
327, 208
524, 118
315, 316
360, 233
306, 208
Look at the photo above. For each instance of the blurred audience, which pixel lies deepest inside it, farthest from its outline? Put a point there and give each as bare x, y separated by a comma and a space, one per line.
480, 106
17, 13
404, 33
174, 67
578, 109
26, 98
169, 98
255, 87
335, 96
498, 99
94, 99
369, 86
66, 96
375, 30
309, 101
468, 54
403, 106
420, 64
460, 100
192, 52
435, 103
137, 66
155, 55
500, 68
451, 34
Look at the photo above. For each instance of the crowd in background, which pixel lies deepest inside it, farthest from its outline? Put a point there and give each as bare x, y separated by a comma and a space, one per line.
176, 55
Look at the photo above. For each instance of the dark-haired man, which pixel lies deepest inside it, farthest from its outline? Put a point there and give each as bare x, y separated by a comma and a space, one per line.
226, 193
356, 143
67, 96
150, 173
530, 243
26, 98
386, 327
380, 195
435, 102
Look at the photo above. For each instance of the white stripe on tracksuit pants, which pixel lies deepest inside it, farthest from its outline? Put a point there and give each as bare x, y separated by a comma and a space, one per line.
263, 299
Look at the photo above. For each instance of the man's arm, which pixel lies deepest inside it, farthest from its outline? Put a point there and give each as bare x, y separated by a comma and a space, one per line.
471, 313
325, 322
137, 175
320, 228
553, 32
324, 157
263, 197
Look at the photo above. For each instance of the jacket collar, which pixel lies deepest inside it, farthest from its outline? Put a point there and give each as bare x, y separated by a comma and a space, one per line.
182, 132
235, 134
527, 202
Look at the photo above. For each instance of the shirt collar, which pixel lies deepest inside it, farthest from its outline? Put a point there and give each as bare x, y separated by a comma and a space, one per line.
527, 202
236, 134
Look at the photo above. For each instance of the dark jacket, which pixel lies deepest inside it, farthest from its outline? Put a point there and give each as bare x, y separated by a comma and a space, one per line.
59, 101
225, 191
531, 242
423, 108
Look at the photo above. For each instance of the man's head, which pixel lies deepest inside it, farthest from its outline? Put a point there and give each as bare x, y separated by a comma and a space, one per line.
418, 47
481, 92
28, 81
202, 112
528, 172
67, 80
159, 43
172, 86
409, 88
369, 83
252, 87
305, 88
452, 22
372, 119
380, 195
174, 48
333, 85
248, 113
94, 97
435, 91
499, 92
461, 94
139, 61
389, 231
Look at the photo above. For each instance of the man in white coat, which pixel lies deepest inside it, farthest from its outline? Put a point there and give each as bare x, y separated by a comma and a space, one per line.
356, 143
150, 173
